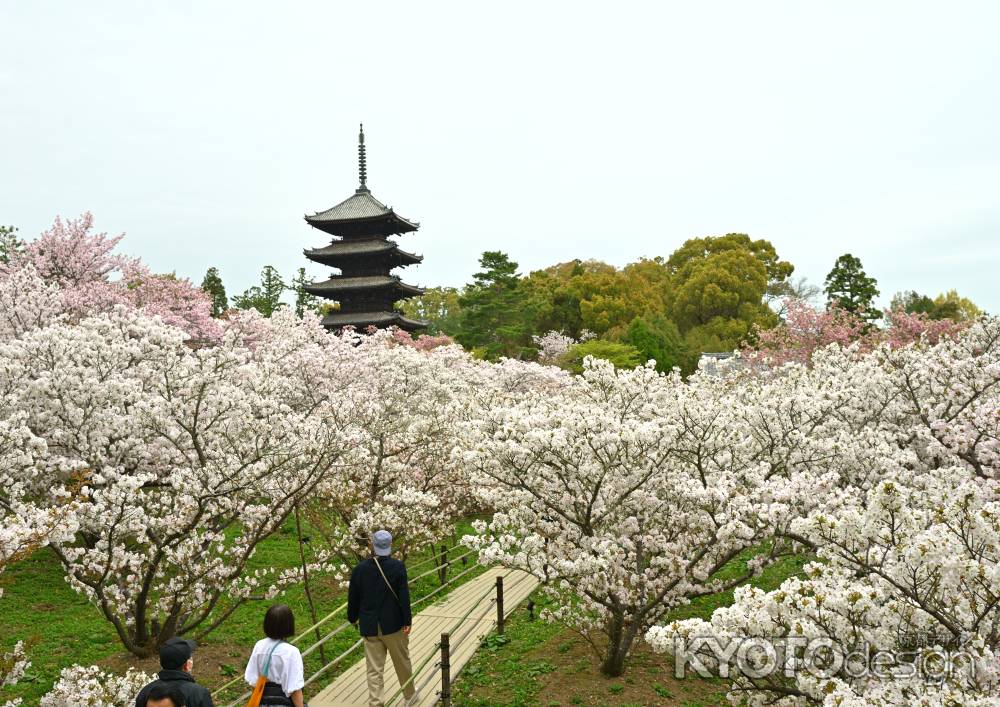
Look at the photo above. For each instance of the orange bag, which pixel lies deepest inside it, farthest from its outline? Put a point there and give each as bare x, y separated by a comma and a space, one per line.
258, 692
258, 689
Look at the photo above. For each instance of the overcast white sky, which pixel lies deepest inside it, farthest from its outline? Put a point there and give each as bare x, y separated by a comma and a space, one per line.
205, 130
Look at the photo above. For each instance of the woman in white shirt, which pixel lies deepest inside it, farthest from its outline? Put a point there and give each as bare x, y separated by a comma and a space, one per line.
279, 661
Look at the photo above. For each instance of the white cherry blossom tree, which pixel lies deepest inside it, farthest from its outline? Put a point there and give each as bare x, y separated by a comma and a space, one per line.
402, 407
626, 493
187, 460
908, 564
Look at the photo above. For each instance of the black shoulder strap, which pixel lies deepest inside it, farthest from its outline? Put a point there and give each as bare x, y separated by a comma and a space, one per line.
386, 580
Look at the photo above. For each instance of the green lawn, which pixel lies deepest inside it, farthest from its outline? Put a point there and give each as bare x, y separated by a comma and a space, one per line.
537, 663
65, 629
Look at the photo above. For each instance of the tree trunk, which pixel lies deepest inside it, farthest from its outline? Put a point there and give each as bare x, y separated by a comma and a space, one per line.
620, 639
614, 658
305, 582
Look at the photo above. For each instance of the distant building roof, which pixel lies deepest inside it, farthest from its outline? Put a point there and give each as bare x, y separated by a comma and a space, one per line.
719, 363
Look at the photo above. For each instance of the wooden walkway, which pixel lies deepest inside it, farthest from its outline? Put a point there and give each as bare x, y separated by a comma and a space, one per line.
474, 601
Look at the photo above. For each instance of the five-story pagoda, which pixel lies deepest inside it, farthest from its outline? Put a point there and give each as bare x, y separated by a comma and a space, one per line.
361, 249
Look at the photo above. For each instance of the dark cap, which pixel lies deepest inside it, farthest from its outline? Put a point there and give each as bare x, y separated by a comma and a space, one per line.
175, 653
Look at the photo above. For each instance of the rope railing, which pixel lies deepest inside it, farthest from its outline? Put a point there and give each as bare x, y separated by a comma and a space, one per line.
333, 662
435, 569
434, 558
457, 624
430, 677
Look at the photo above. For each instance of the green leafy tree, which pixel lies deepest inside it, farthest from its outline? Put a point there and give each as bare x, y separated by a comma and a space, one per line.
493, 319
592, 295
212, 284
719, 290
620, 355
640, 289
850, 286
439, 307
913, 302
659, 339
266, 297
9, 243
698, 250
303, 300
949, 305
553, 297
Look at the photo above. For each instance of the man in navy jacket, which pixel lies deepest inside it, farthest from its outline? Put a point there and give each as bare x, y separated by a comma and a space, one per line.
176, 661
378, 598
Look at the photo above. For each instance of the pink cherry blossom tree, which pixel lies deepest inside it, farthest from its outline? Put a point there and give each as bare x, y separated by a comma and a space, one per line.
425, 342
92, 278
807, 329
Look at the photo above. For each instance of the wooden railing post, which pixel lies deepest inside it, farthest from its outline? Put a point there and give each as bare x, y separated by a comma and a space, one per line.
445, 671
500, 605
443, 571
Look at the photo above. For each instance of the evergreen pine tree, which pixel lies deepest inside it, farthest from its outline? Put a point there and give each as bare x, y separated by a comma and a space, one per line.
303, 300
212, 284
9, 243
266, 297
493, 310
851, 288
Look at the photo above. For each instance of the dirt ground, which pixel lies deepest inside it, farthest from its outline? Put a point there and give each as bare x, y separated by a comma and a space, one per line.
567, 672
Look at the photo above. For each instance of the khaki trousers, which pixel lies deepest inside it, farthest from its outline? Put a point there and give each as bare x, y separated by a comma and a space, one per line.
397, 645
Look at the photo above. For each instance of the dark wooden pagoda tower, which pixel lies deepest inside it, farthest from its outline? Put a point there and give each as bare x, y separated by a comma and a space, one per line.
361, 249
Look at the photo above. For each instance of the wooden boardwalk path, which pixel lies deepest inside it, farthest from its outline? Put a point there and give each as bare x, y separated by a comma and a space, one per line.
468, 613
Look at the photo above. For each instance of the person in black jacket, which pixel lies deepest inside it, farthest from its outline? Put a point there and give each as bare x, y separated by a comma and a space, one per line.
378, 599
176, 661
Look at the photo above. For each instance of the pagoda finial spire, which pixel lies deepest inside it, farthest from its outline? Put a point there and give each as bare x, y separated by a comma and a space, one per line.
362, 161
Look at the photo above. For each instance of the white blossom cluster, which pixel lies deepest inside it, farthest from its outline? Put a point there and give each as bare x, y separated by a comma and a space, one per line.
24, 524
554, 344
627, 492
403, 406
90, 686
908, 548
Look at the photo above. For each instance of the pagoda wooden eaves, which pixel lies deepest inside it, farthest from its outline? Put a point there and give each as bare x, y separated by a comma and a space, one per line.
347, 251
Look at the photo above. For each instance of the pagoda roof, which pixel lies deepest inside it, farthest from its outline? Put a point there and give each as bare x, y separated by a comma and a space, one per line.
365, 319
353, 214
351, 284
369, 246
